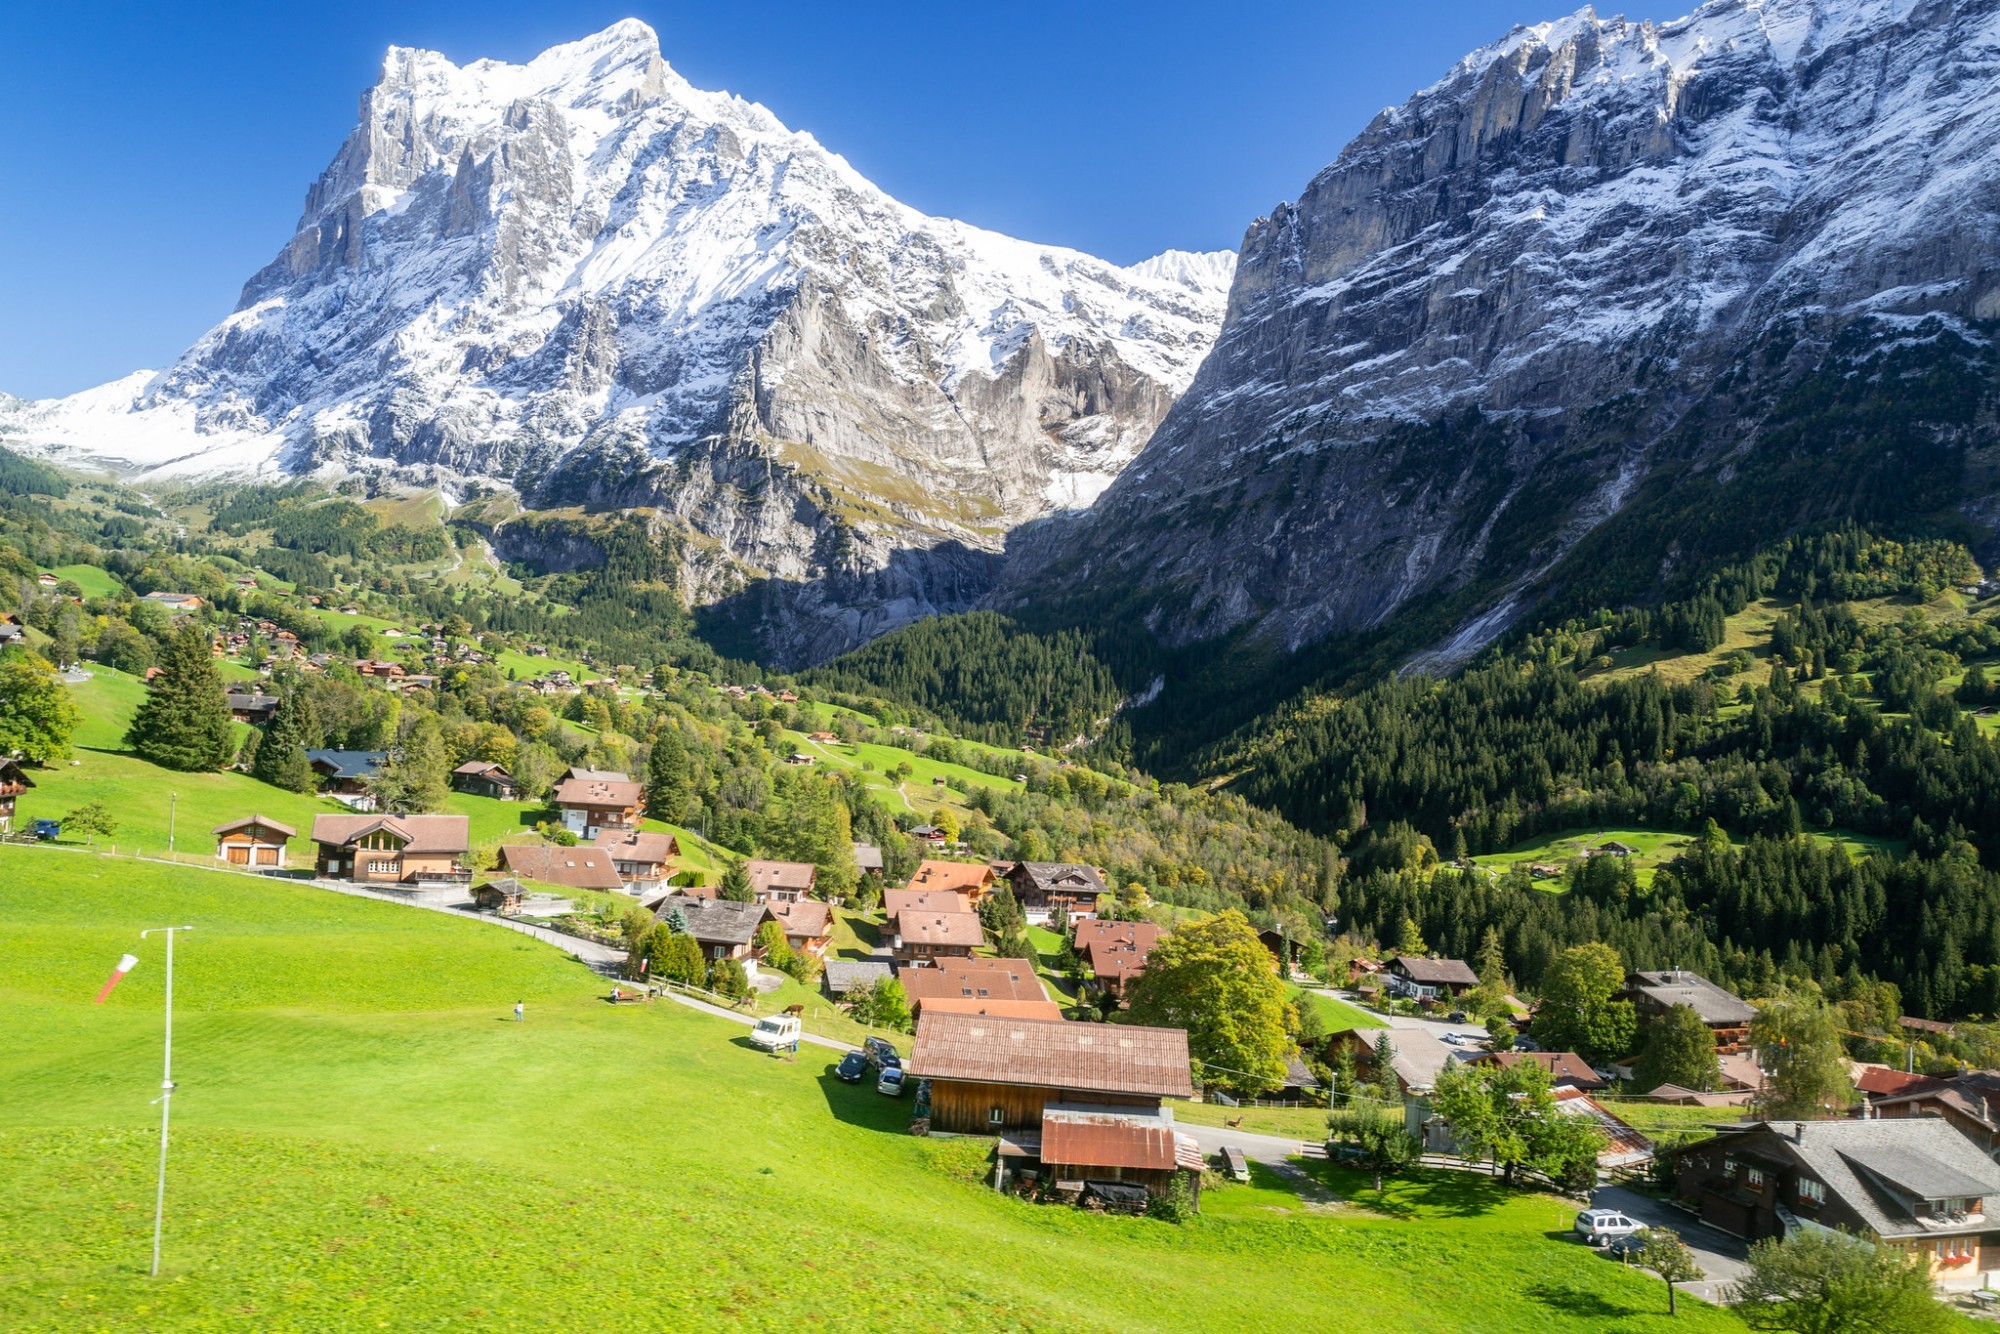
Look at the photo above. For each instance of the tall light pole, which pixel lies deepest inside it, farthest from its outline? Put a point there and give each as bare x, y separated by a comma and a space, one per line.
166, 1098
173, 799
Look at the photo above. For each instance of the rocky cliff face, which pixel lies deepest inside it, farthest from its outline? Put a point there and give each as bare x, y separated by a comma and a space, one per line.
1603, 268
591, 281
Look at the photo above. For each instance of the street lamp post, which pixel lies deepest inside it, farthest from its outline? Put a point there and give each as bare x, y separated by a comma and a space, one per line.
173, 799
166, 1098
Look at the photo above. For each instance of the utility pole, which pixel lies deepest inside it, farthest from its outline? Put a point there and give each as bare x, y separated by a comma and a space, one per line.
173, 799
166, 1098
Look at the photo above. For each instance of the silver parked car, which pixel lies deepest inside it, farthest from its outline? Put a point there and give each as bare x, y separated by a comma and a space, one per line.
1598, 1226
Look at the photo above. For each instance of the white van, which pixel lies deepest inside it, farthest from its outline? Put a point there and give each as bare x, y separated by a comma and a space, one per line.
776, 1030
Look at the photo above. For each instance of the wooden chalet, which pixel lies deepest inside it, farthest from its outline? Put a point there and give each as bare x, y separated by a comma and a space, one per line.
484, 778
1115, 951
251, 708
724, 930
1914, 1183
920, 935
975, 880
1041, 886
1968, 1102
14, 781
780, 882
989, 1075
1728, 1017
1429, 979
393, 849
1074, 1104
347, 775
255, 840
808, 925
644, 859
593, 800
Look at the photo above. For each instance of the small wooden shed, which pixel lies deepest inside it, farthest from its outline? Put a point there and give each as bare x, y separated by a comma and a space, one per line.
255, 841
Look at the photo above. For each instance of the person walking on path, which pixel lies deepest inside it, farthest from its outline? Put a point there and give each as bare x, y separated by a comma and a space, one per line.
520, 1012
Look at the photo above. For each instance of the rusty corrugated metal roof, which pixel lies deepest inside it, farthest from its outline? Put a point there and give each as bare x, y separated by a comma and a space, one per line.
1100, 1137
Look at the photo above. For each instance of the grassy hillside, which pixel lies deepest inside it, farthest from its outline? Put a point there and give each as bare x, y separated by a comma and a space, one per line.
363, 1139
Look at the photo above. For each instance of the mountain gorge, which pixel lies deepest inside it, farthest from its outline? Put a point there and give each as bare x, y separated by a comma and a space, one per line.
584, 279
1611, 301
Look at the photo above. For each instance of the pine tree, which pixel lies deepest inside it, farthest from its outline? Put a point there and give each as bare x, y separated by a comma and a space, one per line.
281, 754
669, 782
735, 887
184, 722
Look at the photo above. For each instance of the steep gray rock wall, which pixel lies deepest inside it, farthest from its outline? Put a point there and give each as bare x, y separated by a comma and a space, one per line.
1589, 265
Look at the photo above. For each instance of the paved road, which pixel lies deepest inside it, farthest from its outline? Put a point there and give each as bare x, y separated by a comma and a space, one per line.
1261, 1148
1720, 1255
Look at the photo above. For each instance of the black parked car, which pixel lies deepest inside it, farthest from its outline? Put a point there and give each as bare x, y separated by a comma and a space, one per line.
880, 1053
853, 1068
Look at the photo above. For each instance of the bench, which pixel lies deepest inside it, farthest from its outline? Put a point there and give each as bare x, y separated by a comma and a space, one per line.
630, 995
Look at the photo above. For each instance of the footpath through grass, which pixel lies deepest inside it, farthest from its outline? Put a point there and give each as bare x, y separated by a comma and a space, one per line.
364, 1139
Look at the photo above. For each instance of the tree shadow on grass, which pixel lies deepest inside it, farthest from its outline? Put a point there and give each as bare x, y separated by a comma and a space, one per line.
859, 1104
1594, 1307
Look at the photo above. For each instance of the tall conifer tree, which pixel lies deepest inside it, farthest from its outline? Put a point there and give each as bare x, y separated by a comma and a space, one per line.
184, 723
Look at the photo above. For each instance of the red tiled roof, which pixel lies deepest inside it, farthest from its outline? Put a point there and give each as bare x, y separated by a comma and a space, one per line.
895, 901
966, 877
975, 979
637, 845
999, 1009
589, 787
808, 919
1095, 1058
940, 928
572, 868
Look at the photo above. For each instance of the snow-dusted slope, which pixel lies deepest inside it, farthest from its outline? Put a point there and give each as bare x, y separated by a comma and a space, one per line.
1600, 265
585, 276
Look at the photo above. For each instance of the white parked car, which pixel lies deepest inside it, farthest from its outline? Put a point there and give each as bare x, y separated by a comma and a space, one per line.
891, 1082
1598, 1226
776, 1030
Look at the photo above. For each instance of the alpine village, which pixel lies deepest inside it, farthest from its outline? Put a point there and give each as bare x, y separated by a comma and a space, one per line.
1439, 772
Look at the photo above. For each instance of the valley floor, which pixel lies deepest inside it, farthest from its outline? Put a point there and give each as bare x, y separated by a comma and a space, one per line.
364, 1138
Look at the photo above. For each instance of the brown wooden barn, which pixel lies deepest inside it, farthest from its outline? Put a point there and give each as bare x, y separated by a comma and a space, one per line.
990, 1074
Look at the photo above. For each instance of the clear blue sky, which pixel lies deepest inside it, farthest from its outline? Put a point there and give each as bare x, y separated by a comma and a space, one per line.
156, 155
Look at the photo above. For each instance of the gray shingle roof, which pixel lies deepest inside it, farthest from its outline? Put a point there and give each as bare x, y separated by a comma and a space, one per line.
716, 921
1866, 1162
350, 763
1712, 1003
1436, 972
843, 975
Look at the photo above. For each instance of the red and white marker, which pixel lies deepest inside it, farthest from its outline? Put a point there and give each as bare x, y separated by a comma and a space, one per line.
125, 965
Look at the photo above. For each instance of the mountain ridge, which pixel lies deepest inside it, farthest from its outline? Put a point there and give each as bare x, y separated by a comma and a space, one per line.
1592, 272
585, 279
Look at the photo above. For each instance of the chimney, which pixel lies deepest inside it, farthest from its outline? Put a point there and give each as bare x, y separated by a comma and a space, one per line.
1798, 1132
